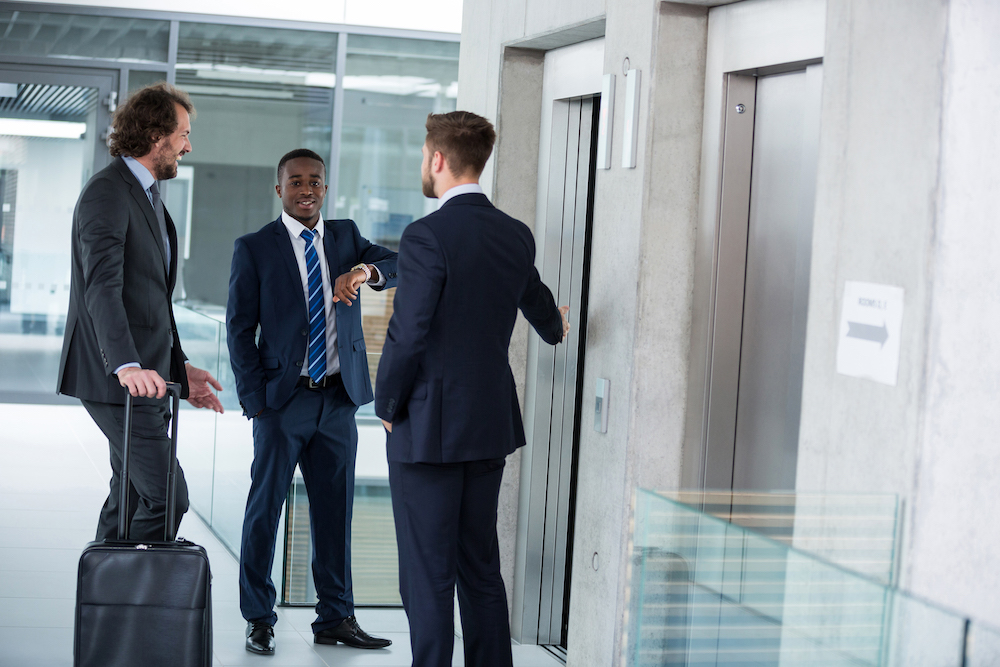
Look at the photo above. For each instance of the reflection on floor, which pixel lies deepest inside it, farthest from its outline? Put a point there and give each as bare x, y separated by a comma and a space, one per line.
30, 365
53, 480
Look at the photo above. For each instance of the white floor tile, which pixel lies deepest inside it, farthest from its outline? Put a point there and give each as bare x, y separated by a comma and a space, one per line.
37, 613
21, 559
47, 520
396, 654
290, 649
57, 520
37, 647
48, 537
15, 584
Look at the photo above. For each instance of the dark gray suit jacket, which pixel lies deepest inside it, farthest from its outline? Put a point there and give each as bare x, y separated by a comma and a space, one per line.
121, 285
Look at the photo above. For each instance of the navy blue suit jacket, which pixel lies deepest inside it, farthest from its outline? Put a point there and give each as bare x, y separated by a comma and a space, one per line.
265, 289
444, 380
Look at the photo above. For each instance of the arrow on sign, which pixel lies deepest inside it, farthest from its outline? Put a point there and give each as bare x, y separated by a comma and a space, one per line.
868, 332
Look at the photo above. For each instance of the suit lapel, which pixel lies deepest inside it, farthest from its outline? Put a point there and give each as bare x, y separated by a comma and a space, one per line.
284, 243
330, 250
332, 259
172, 236
139, 195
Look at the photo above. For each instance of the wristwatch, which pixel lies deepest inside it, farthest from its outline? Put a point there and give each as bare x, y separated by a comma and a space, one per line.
364, 267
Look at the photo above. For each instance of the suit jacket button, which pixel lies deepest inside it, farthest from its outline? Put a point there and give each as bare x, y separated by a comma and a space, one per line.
299, 364
392, 404
304, 332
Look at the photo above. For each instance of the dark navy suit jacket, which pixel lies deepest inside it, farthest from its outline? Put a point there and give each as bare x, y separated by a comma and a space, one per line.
265, 289
444, 380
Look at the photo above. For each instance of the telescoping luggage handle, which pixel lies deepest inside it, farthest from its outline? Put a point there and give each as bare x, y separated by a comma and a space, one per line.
174, 392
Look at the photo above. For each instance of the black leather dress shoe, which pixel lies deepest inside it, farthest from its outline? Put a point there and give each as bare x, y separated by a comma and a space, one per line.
260, 638
351, 634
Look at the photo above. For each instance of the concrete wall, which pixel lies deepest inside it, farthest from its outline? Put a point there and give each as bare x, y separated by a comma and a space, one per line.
438, 15
641, 271
954, 546
906, 196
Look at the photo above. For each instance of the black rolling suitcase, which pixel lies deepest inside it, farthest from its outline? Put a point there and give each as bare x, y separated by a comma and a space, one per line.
144, 604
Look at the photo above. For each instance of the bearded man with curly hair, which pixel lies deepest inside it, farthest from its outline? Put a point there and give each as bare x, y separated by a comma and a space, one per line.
120, 329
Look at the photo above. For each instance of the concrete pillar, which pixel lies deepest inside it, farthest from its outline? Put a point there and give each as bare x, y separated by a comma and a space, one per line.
906, 196
640, 311
641, 264
954, 543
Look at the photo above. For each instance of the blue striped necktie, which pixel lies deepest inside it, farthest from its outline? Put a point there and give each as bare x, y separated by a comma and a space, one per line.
317, 314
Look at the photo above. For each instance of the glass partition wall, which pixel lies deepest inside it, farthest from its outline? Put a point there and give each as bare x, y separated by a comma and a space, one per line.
731, 579
357, 96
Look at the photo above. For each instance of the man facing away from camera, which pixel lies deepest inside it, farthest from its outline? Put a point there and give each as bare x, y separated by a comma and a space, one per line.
446, 394
301, 381
120, 329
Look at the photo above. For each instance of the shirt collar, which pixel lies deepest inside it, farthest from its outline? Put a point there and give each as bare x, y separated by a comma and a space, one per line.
464, 189
295, 227
140, 172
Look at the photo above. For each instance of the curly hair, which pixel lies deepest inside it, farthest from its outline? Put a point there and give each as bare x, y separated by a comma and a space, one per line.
146, 116
465, 139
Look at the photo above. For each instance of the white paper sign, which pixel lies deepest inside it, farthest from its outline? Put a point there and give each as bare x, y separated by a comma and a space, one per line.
871, 321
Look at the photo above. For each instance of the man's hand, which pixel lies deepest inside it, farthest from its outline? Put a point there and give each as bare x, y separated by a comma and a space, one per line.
564, 311
388, 425
200, 384
347, 285
142, 382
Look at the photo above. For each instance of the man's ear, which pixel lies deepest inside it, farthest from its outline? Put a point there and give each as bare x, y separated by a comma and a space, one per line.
438, 163
277, 188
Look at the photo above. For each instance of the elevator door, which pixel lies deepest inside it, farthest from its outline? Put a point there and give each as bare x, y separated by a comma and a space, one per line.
543, 613
765, 241
776, 294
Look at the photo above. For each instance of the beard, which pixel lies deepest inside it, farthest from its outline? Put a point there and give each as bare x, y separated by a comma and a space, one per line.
428, 184
165, 164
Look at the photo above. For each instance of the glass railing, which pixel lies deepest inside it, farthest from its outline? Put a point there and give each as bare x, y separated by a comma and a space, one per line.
706, 589
216, 452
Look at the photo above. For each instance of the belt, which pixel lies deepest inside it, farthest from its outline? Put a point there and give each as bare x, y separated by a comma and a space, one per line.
328, 381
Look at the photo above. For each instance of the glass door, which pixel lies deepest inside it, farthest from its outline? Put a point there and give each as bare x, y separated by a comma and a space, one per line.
53, 128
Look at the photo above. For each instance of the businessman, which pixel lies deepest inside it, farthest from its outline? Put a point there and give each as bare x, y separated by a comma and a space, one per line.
301, 381
120, 329
446, 394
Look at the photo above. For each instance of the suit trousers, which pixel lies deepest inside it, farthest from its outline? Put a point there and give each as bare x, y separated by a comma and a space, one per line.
316, 430
446, 518
148, 462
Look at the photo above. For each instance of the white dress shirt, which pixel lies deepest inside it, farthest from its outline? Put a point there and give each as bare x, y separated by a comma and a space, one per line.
464, 189
146, 180
295, 229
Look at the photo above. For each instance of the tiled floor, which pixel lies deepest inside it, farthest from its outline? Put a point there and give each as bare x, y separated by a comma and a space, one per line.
53, 480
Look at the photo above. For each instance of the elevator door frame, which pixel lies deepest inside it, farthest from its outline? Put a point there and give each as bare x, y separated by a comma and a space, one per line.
747, 39
732, 256
553, 396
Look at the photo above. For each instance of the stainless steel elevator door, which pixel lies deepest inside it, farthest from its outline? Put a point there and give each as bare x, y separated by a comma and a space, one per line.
555, 433
776, 291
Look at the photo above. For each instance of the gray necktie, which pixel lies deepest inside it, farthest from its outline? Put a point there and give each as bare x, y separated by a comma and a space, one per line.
160, 218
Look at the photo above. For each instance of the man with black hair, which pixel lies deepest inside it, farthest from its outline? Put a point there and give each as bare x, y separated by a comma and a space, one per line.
301, 382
